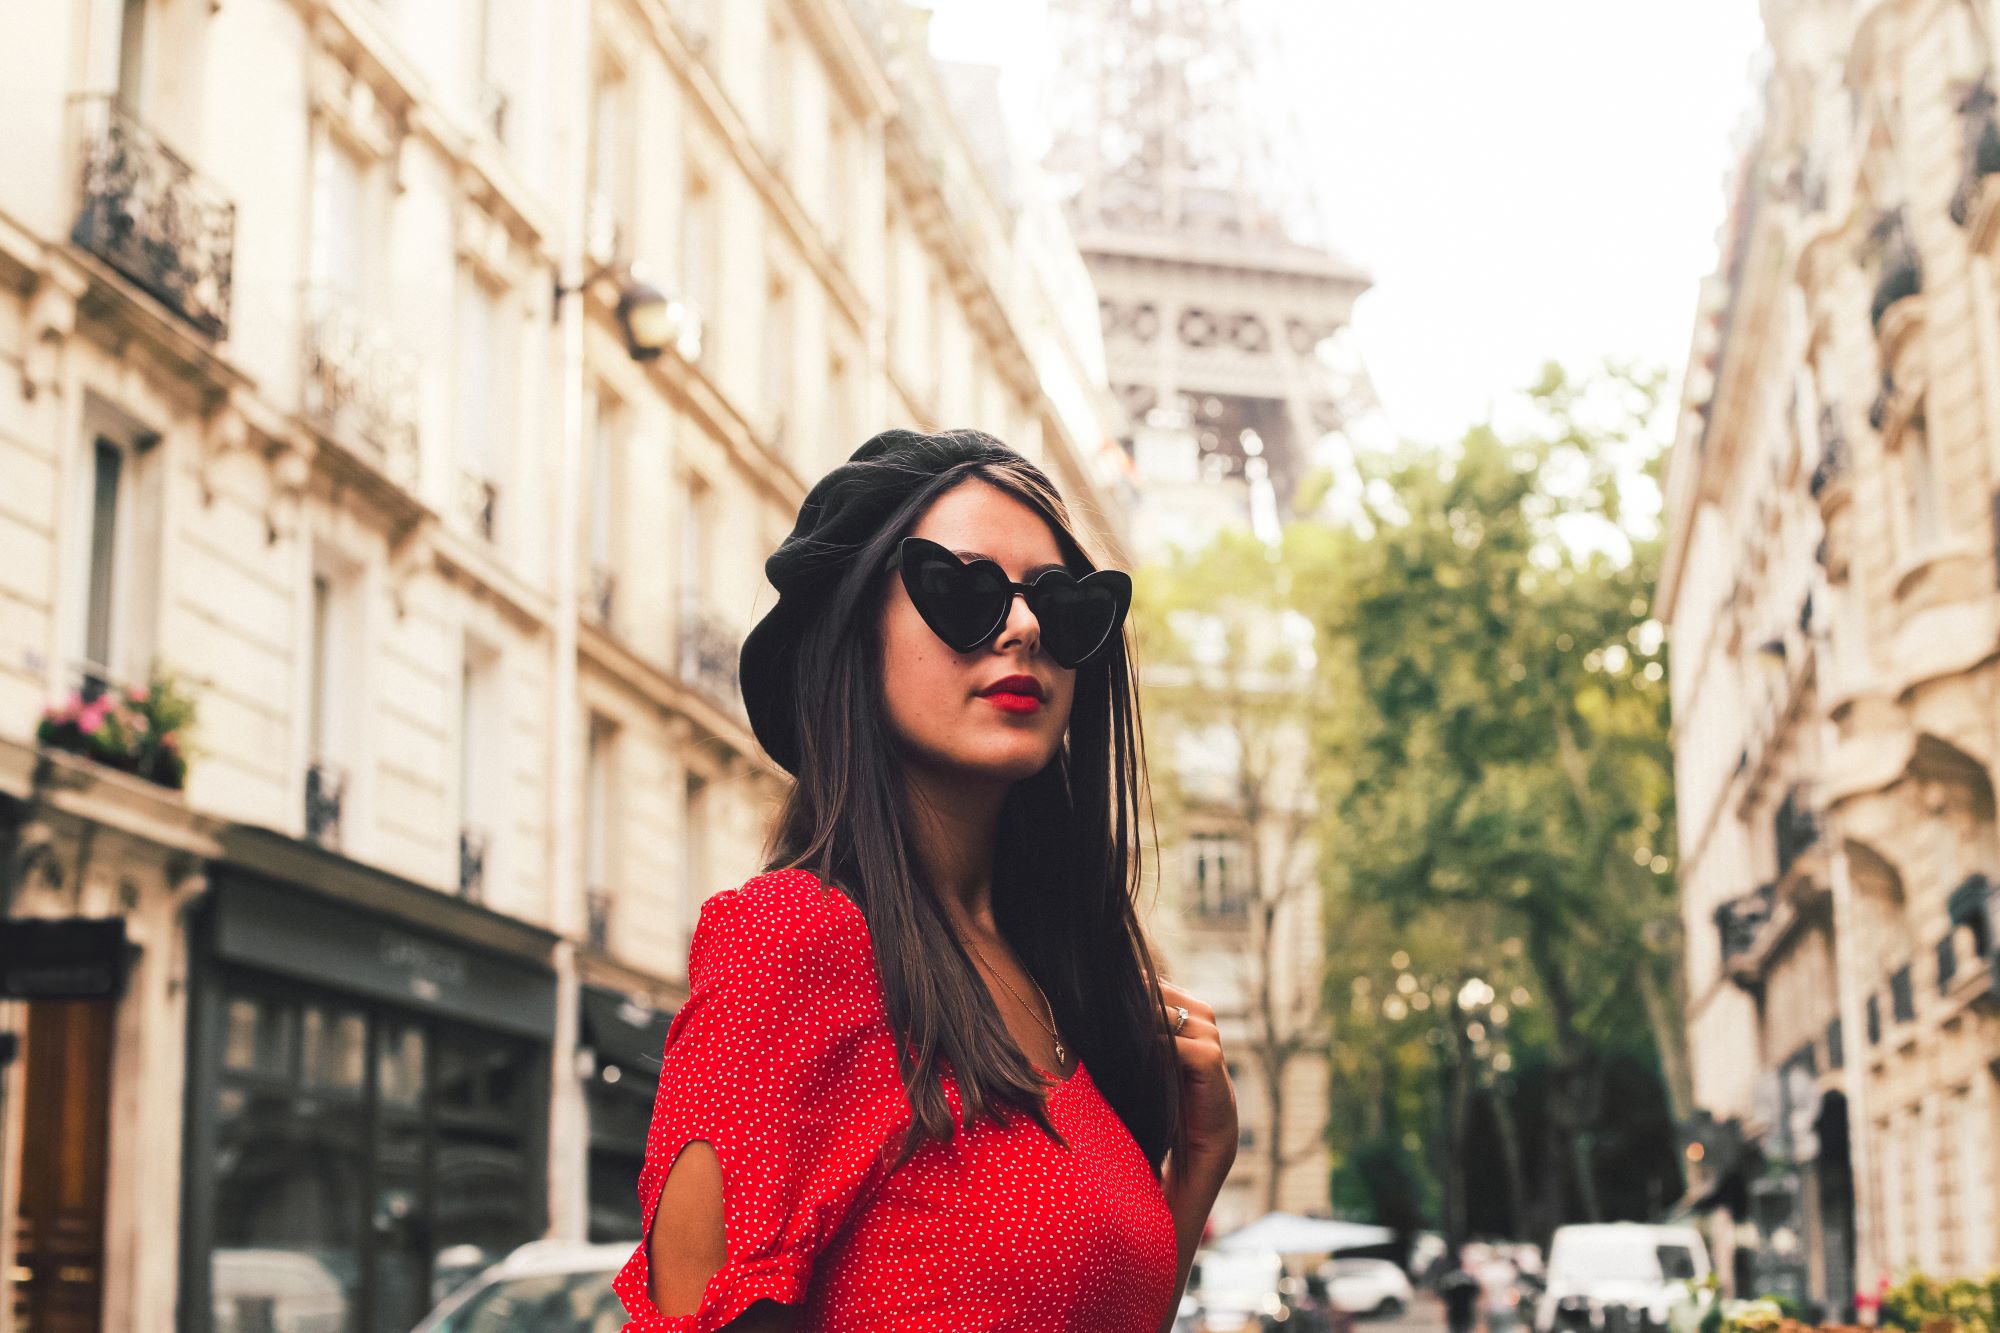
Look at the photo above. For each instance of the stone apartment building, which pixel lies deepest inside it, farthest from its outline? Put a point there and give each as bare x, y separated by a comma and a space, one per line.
1831, 588
425, 382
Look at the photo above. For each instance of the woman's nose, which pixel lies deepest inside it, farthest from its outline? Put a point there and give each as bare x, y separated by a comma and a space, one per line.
1021, 626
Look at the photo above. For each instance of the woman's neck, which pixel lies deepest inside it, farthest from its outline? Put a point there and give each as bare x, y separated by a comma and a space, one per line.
956, 826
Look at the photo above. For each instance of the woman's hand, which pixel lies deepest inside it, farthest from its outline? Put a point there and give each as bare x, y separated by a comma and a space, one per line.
1208, 1102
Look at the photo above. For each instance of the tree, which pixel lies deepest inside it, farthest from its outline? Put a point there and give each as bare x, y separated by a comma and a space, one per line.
1492, 752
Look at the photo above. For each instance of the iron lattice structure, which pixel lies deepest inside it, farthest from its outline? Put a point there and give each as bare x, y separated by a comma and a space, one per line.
1225, 313
1168, 121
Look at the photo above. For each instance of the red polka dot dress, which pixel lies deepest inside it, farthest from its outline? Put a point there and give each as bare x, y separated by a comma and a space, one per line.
783, 1060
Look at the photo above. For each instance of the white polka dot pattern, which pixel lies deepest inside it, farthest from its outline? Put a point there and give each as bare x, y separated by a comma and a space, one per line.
783, 1060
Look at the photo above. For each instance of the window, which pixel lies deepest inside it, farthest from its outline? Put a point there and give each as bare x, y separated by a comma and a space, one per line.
334, 690
497, 32
700, 263
611, 177
837, 187
486, 415
697, 525
1218, 887
695, 883
840, 413
340, 261
114, 590
778, 98
132, 52
597, 803
1920, 481
779, 336
107, 478
601, 540
481, 770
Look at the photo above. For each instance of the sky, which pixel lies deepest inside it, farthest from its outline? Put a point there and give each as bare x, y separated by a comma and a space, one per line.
1525, 180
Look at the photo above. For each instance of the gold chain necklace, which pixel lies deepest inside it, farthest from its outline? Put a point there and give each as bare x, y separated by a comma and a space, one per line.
1050, 1025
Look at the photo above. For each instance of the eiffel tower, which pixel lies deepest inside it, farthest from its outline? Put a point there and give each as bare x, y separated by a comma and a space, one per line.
1225, 315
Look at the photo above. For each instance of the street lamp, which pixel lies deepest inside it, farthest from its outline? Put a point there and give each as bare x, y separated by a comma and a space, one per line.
649, 319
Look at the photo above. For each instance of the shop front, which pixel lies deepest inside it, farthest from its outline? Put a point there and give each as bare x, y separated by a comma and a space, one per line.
367, 1111
623, 1038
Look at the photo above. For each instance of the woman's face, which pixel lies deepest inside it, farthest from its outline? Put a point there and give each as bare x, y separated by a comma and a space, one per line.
938, 703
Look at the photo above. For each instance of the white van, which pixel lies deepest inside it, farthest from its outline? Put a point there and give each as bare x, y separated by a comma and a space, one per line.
1599, 1265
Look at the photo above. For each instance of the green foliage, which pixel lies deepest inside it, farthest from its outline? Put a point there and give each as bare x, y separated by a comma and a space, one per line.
1971, 1305
1495, 775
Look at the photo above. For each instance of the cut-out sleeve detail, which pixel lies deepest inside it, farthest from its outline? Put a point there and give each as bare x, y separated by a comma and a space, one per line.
782, 1061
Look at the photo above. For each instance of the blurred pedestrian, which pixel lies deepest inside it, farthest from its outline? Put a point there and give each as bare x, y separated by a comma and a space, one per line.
1460, 1293
942, 938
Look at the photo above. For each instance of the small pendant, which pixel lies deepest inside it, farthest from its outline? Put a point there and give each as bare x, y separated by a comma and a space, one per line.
1059, 1055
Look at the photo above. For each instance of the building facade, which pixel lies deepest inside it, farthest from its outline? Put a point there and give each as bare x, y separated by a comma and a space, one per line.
1831, 591
321, 386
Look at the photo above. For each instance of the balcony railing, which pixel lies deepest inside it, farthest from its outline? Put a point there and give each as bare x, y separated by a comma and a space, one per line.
1795, 828
1899, 272
1975, 906
1902, 995
151, 216
601, 597
1832, 464
1741, 919
472, 845
597, 919
1979, 152
479, 503
708, 656
326, 789
359, 387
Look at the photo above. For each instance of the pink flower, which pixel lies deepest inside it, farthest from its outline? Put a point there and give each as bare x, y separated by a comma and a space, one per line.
138, 694
91, 718
74, 702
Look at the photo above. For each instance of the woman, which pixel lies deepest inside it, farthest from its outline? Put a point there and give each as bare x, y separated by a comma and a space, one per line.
926, 1077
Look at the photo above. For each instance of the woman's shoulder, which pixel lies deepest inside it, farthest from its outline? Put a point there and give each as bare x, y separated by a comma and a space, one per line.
785, 920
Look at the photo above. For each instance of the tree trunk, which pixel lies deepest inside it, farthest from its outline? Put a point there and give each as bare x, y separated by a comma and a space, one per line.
1510, 1153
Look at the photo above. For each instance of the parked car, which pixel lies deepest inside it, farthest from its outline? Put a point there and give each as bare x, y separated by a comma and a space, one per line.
272, 1288
1235, 1291
1628, 1273
1367, 1286
542, 1287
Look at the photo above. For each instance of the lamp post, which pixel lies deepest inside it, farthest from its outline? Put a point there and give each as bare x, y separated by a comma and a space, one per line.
650, 320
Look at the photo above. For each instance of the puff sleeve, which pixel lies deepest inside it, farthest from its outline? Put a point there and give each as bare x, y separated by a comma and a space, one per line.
782, 1060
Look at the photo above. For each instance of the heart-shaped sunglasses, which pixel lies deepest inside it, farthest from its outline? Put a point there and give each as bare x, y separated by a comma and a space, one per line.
966, 604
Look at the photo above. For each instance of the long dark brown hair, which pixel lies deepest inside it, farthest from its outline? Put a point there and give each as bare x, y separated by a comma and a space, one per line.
1066, 867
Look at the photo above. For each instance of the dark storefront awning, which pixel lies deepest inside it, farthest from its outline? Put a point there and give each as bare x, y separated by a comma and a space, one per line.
627, 1034
292, 930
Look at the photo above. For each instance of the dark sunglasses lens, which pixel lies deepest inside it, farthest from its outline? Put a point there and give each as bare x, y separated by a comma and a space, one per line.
962, 604
1077, 619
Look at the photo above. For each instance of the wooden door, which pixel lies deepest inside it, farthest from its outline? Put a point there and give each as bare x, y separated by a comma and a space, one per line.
59, 1273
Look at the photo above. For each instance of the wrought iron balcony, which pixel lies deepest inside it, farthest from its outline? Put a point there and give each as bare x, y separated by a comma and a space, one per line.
1899, 271
597, 919
472, 845
479, 503
359, 387
1902, 995
601, 597
1975, 906
326, 789
1979, 152
708, 656
151, 216
1795, 827
1832, 464
1741, 919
